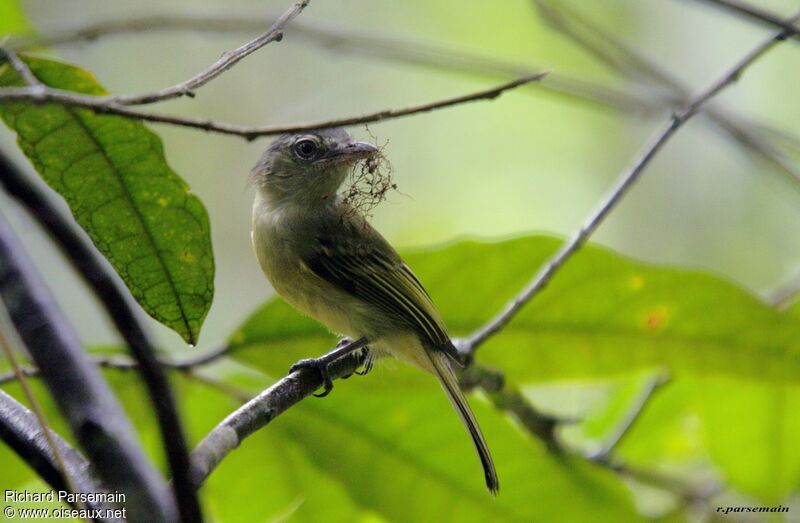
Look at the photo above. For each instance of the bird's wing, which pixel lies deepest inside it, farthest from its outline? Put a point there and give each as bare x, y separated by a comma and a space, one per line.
358, 260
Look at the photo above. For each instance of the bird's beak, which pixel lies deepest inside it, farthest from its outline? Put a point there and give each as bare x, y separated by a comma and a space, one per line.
353, 151
361, 149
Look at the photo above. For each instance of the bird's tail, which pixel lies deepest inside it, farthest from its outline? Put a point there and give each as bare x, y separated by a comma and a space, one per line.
450, 385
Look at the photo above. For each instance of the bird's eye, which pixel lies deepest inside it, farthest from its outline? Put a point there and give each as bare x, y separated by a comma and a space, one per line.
306, 149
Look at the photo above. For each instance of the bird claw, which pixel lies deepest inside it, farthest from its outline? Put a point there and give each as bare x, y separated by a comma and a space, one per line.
319, 366
369, 360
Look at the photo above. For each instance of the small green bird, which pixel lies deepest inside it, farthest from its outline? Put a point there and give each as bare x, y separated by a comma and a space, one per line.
328, 262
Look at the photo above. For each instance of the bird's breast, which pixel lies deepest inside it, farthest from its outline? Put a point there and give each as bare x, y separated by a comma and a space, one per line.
278, 248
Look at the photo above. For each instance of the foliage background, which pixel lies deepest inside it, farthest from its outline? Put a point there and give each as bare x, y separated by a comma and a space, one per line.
529, 162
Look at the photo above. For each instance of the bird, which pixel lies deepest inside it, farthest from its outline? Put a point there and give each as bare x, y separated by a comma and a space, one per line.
324, 258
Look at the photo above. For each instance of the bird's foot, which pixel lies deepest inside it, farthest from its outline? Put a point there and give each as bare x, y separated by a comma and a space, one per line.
343, 348
321, 366
369, 361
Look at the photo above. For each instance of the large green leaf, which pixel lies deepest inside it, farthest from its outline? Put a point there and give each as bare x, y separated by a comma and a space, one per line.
113, 174
603, 314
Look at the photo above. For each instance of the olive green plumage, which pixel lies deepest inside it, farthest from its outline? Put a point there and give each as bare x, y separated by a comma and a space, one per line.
326, 260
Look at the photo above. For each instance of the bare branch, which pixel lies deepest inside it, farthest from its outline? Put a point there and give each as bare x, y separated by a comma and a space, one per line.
543, 277
786, 294
365, 44
20, 67
442, 59
628, 62
83, 397
653, 385
184, 364
508, 398
754, 13
260, 411
228, 60
25, 94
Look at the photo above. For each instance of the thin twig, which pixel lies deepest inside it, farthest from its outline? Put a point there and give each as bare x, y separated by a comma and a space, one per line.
624, 428
184, 364
630, 63
25, 94
100, 278
786, 295
88, 405
20, 67
546, 273
755, 13
376, 46
508, 398
226, 61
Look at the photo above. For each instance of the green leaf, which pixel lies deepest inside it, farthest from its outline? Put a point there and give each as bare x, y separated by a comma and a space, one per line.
113, 174
407, 457
760, 456
602, 315
12, 18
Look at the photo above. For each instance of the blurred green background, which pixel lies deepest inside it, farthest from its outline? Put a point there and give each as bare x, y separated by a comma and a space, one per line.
531, 161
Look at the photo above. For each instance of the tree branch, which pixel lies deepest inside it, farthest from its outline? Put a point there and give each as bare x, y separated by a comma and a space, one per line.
628, 62
20, 430
438, 58
261, 410
678, 119
754, 13
653, 385
82, 396
786, 294
228, 60
103, 283
184, 364
98, 104
20, 67
364, 44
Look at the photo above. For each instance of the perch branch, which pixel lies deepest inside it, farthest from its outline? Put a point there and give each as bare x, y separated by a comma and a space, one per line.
29, 94
103, 283
627, 180
260, 411
785, 295
80, 393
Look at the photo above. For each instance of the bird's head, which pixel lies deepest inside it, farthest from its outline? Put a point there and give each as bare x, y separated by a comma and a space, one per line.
308, 166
